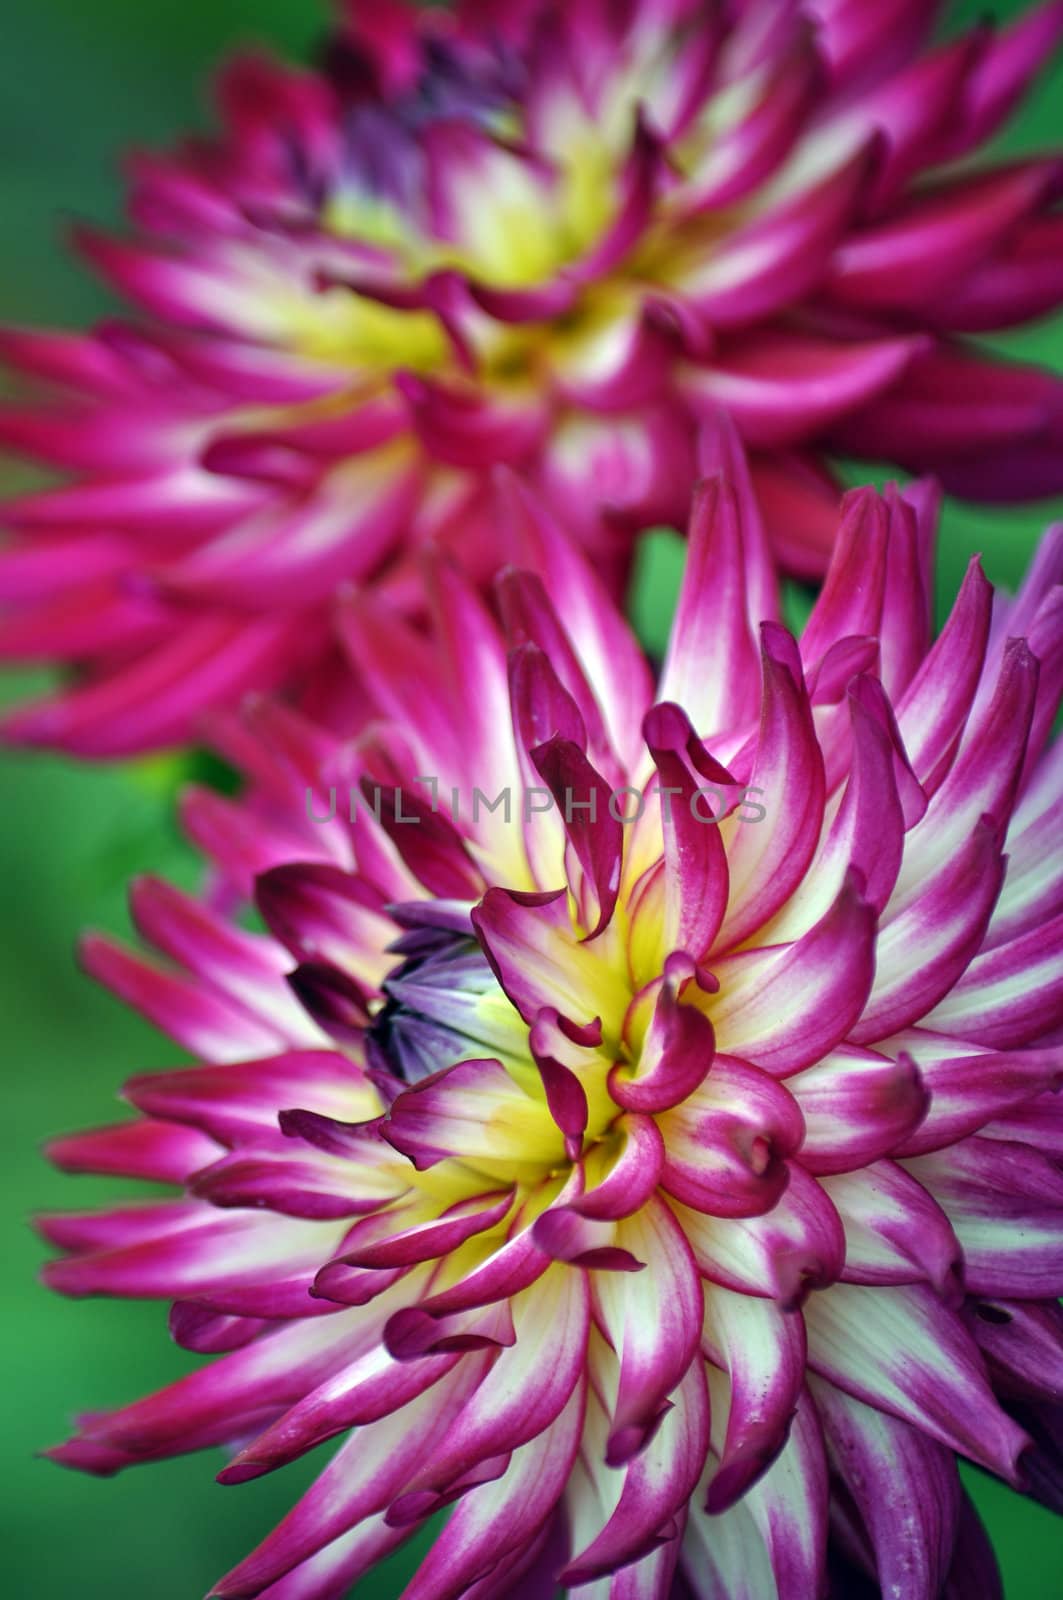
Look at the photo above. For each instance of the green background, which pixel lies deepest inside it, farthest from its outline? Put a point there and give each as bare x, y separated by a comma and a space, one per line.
81, 80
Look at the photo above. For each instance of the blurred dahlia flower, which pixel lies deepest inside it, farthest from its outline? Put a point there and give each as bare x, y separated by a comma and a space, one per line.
544, 233
674, 1198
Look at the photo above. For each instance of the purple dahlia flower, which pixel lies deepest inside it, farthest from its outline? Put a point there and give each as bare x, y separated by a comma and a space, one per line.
665, 1174
546, 234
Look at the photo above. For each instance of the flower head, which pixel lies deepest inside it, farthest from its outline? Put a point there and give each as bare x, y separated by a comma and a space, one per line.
663, 1173
547, 235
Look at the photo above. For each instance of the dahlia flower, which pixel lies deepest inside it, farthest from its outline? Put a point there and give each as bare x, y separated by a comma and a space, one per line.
547, 234
661, 1168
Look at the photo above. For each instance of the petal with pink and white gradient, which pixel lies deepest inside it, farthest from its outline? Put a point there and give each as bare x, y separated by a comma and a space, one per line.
762, 1349
783, 1254
785, 1007
1005, 1202
539, 960
652, 1320
913, 1527
895, 1232
857, 1105
526, 1388
727, 1143
900, 1350
767, 864
496, 1518
639, 1512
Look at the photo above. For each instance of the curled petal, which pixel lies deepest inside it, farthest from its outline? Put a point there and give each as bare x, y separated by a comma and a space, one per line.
695, 863
727, 1143
857, 1105
676, 1052
781, 1254
763, 1352
655, 1488
594, 833
652, 1321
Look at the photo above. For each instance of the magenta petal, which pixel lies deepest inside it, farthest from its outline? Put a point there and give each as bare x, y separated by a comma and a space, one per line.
238, 1102
370, 1387
536, 956
545, 672
784, 250
900, 1350
426, 1241
763, 1351
526, 1388
968, 1090
781, 1254
1003, 71
677, 1051
595, 834
500, 1516
240, 1390
604, 646
657, 1483
565, 1094
293, 1183
784, 1007
726, 1144
633, 1178
161, 697
695, 863
320, 912
895, 1232
639, 180
1022, 1343
414, 1333
712, 658
470, 429
789, 1507
1009, 996
913, 1526
934, 707
948, 918
335, 1001
159, 1151
784, 388
583, 1241
359, 1480
930, 243
857, 1106
202, 1022
1021, 282
767, 863
850, 602
543, 709
471, 1109
197, 1327
951, 406
868, 830
1005, 1202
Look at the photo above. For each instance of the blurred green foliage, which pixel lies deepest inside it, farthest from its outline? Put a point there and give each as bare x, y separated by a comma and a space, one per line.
80, 83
